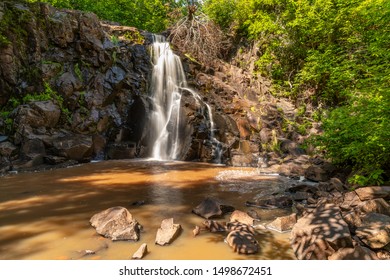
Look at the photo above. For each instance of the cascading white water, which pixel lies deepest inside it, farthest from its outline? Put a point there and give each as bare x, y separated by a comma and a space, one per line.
168, 81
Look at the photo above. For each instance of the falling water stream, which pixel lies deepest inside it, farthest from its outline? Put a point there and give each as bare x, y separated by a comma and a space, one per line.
167, 84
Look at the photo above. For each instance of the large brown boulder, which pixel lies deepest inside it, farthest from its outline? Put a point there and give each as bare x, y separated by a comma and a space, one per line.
211, 207
116, 223
318, 234
375, 230
242, 217
357, 253
283, 223
73, 146
367, 193
242, 242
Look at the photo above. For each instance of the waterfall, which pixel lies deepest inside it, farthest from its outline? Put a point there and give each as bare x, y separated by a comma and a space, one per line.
167, 84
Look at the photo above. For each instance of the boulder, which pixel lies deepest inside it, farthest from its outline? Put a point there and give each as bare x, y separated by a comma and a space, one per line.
49, 111
378, 205
367, 193
214, 226
116, 223
242, 242
211, 207
141, 252
320, 233
272, 202
284, 223
357, 253
7, 149
242, 217
38, 114
73, 146
167, 233
319, 173
350, 200
336, 184
375, 230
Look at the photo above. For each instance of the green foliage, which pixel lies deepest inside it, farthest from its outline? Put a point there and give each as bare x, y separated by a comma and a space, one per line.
329, 52
358, 134
151, 15
135, 37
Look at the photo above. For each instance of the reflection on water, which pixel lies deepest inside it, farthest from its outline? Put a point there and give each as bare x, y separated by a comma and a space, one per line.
46, 215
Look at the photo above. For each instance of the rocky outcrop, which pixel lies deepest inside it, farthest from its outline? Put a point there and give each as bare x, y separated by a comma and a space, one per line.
338, 224
116, 223
92, 78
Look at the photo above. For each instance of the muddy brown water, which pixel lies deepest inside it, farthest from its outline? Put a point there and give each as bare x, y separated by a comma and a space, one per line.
45, 215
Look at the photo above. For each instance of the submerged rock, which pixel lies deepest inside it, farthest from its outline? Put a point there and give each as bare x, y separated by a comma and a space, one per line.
167, 232
116, 223
141, 252
211, 207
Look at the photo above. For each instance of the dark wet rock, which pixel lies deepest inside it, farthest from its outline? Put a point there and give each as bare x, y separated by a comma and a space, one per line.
168, 232
214, 226
253, 214
141, 252
37, 114
320, 233
272, 202
356, 253
367, 193
33, 147
299, 196
320, 173
336, 184
283, 223
303, 187
375, 230
211, 207
242, 242
75, 147
242, 217
7, 149
116, 223
138, 203
54, 160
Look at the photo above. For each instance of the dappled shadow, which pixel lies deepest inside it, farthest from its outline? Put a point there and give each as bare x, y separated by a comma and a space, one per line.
320, 233
59, 203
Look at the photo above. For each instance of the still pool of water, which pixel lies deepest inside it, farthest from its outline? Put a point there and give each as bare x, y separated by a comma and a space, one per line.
45, 215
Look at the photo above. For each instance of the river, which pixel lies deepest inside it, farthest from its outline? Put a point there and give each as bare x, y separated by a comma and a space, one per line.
45, 215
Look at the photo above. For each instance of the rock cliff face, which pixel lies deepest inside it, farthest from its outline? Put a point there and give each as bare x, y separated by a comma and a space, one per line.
76, 88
